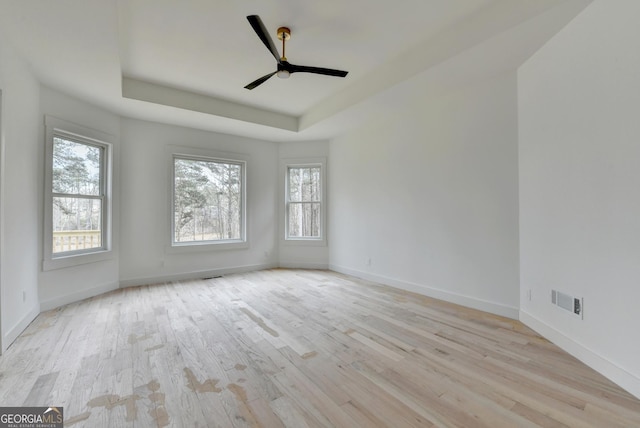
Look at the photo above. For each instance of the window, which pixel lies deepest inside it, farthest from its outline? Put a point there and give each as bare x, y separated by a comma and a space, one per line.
304, 209
208, 201
77, 210
78, 196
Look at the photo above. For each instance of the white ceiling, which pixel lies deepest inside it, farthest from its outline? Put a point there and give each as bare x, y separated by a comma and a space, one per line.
186, 62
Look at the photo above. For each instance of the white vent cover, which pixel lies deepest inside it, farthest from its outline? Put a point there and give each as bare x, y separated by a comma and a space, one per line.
567, 302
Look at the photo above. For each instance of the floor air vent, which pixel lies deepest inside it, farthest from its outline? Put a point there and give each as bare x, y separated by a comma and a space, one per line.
569, 303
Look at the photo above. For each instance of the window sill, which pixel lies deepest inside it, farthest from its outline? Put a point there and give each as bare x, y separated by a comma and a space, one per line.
303, 242
204, 247
76, 260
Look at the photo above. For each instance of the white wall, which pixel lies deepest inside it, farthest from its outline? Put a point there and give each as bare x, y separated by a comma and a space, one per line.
61, 286
429, 194
579, 106
19, 201
301, 254
145, 221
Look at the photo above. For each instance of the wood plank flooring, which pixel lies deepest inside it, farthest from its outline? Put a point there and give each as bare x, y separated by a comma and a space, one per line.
296, 348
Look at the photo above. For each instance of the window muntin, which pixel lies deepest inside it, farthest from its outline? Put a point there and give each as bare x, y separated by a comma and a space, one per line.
304, 202
208, 201
78, 196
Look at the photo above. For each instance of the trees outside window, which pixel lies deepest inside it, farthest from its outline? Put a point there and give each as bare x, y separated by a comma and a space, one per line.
208, 200
78, 195
304, 202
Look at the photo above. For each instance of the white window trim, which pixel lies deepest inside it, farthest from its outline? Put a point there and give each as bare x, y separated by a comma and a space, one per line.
65, 129
182, 152
285, 164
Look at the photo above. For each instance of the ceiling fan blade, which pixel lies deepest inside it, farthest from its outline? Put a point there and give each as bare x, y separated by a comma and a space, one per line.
261, 31
259, 81
317, 70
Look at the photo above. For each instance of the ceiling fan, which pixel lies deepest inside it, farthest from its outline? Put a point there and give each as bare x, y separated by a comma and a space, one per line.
285, 68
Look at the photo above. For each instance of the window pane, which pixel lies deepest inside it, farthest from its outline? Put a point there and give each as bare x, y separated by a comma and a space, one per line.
207, 200
76, 167
76, 224
304, 220
304, 184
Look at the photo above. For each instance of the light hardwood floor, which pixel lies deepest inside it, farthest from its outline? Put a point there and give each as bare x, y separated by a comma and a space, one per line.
298, 348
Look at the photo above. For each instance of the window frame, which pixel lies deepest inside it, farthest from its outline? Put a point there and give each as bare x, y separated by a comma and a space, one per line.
187, 153
55, 127
286, 166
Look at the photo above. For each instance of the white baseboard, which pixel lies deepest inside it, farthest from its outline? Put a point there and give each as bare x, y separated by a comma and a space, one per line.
470, 302
76, 296
132, 282
303, 265
15, 331
608, 369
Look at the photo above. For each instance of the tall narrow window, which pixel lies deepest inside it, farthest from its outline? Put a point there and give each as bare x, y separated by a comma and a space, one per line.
304, 202
78, 196
208, 201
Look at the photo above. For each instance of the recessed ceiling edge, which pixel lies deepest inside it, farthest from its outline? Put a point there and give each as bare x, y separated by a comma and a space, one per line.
159, 94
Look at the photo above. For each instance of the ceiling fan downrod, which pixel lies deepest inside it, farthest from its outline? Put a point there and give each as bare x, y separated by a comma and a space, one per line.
284, 34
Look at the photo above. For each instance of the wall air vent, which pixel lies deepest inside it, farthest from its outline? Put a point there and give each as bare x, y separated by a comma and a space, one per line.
569, 303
